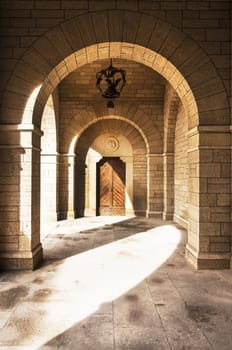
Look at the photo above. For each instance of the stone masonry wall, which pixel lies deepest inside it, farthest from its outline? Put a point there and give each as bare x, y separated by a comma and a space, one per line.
80, 101
23, 22
181, 168
144, 92
208, 25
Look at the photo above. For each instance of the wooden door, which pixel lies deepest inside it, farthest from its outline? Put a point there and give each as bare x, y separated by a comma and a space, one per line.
111, 186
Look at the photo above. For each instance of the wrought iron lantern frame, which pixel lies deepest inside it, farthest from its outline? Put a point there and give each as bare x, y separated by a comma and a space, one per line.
114, 80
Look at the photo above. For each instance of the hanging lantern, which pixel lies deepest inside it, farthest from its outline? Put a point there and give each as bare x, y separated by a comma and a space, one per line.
110, 82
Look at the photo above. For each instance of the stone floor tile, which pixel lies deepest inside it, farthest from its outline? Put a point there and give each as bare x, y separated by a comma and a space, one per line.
132, 310
22, 327
96, 332
115, 295
181, 329
214, 323
146, 338
4, 317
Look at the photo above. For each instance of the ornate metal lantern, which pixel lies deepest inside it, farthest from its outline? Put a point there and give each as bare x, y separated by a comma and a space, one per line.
110, 82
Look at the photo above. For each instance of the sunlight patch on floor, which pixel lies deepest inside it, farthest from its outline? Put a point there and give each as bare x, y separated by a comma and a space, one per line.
103, 274
83, 284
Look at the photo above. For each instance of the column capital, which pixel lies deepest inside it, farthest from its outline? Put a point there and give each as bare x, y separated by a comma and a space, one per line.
154, 155
209, 129
168, 154
21, 127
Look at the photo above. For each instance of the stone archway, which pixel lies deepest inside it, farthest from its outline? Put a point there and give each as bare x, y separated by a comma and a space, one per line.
131, 149
183, 64
108, 145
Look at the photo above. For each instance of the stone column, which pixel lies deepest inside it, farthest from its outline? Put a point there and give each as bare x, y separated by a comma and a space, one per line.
48, 187
168, 183
79, 177
154, 185
91, 186
128, 160
66, 186
140, 201
20, 246
209, 236
231, 186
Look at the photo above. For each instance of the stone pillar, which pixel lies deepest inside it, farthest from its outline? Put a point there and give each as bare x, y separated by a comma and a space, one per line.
140, 185
20, 246
91, 185
66, 186
168, 183
154, 185
79, 177
209, 238
231, 185
48, 187
128, 160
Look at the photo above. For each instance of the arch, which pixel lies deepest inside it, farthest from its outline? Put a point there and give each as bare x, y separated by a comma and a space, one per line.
118, 118
86, 38
171, 103
117, 126
74, 169
108, 144
170, 52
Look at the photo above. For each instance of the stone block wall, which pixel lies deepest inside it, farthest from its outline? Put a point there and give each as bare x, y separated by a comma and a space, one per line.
182, 173
81, 102
201, 60
206, 22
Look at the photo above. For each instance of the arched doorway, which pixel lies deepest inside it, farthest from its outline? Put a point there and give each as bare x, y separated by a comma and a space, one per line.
111, 137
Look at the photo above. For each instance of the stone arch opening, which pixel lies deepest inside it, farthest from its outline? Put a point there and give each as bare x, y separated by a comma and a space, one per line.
166, 50
131, 148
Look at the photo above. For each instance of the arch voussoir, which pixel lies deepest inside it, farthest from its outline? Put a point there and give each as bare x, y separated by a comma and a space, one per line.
130, 26
58, 38
101, 26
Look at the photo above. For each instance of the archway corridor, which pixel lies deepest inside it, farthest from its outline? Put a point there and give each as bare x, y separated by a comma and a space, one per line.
115, 283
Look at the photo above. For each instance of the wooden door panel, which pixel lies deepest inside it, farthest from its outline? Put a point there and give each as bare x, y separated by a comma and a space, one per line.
111, 186
118, 191
105, 185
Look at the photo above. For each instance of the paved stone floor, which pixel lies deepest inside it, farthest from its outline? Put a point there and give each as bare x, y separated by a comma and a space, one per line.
115, 283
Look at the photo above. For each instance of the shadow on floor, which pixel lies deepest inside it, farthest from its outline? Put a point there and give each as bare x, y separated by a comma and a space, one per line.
118, 285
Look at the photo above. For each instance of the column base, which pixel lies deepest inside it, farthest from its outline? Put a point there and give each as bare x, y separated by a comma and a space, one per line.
62, 215
130, 212
181, 221
207, 261
21, 260
90, 212
65, 215
154, 214
140, 212
167, 216
48, 217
